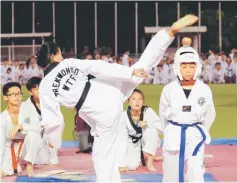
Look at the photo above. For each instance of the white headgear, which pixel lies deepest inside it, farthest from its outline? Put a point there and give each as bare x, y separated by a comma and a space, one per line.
186, 54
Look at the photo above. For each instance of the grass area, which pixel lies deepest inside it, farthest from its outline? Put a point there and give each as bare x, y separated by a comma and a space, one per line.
225, 100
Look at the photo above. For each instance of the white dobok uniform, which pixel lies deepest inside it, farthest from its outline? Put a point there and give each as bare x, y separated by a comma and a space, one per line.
139, 140
30, 118
11, 149
161, 77
186, 122
103, 106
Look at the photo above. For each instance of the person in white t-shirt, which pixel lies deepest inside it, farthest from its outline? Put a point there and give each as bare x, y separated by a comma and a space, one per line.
125, 59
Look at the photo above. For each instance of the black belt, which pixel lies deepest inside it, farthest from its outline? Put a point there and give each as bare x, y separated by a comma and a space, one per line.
84, 93
135, 140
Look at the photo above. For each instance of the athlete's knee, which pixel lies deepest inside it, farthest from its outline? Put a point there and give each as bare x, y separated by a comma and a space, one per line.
133, 165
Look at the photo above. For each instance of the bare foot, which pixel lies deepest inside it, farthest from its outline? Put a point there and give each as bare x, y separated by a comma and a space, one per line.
53, 165
158, 158
2, 174
29, 169
185, 21
151, 168
150, 165
123, 169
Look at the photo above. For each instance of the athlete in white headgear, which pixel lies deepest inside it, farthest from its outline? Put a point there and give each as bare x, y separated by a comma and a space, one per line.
187, 113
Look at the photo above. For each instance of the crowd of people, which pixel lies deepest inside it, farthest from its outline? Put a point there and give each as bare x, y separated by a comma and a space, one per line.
22, 134
20, 72
217, 66
97, 90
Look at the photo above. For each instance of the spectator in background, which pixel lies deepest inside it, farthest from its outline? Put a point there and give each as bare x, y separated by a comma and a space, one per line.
150, 79
215, 60
170, 65
207, 71
8, 76
5, 65
223, 61
160, 76
165, 67
218, 74
15, 70
88, 56
125, 59
202, 57
64, 54
97, 56
233, 52
119, 60
40, 72
21, 75
229, 71
96, 51
84, 52
83, 133
105, 53
71, 53
31, 68
235, 66
211, 56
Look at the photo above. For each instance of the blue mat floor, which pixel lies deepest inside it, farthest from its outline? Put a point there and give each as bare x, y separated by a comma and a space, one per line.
217, 141
91, 178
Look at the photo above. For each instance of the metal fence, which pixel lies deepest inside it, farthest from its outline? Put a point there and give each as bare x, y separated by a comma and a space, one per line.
20, 52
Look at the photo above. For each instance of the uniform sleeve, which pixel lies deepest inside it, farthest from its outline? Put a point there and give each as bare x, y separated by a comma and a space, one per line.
3, 139
155, 121
210, 112
163, 107
103, 70
150, 58
25, 114
52, 118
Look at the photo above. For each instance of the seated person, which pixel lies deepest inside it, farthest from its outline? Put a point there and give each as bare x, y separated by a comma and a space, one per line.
41, 152
12, 141
218, 74
141, 133
82, 130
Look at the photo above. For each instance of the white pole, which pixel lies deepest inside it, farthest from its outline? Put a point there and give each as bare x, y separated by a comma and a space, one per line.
53, 21
178, 17
136, 28
199, 24
75, 28
33, 26
220, 27
115, 29
157, 19
96, 41
13, 29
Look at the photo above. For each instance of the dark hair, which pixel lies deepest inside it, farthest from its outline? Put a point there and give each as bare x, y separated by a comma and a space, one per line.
105, 51
5, 59
217, 64
86, 54
9, 85
44, 53
16, 60
28, 61
138, 91
9, 69
33, 83
216, 52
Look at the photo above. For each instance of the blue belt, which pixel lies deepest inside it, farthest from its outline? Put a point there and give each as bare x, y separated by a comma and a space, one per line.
183, 142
